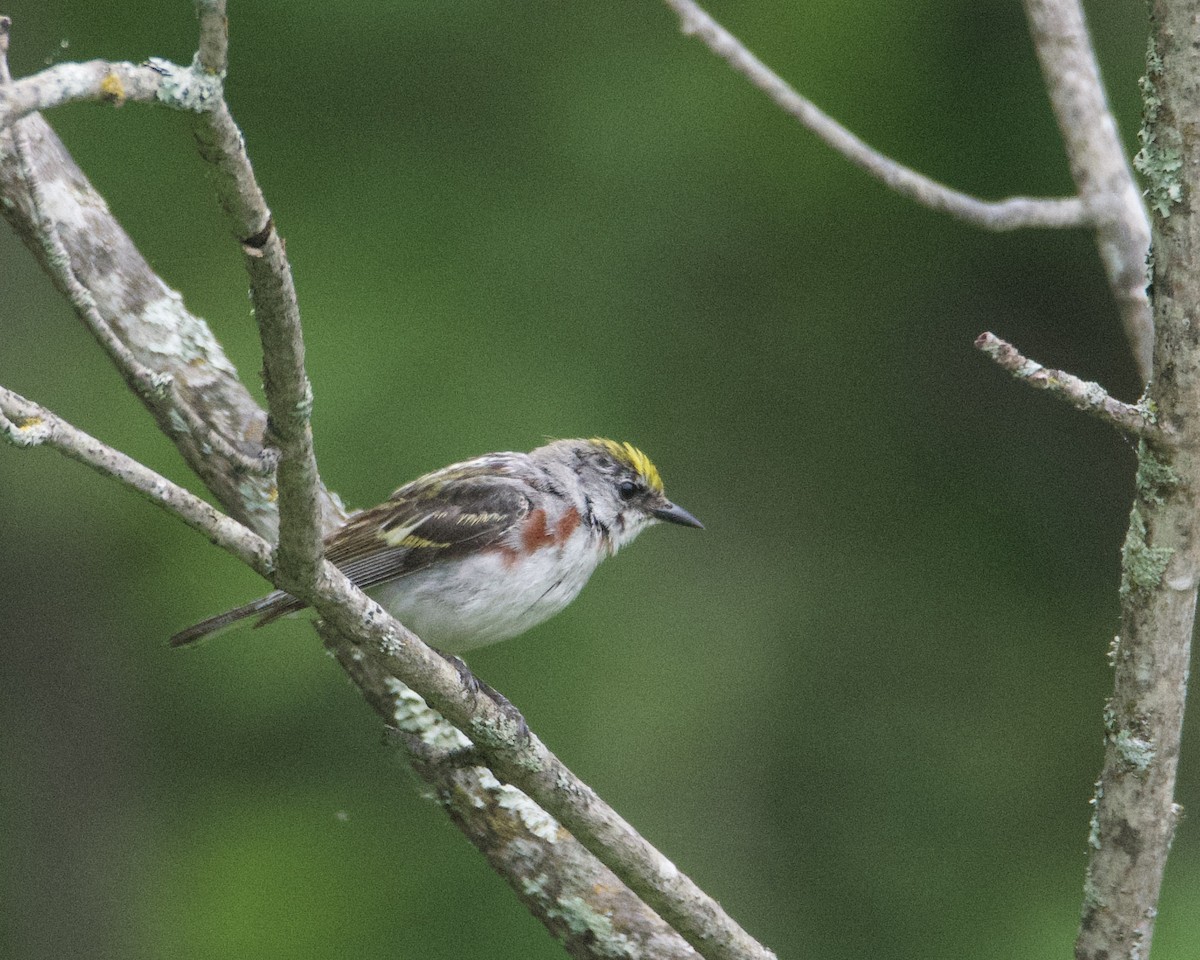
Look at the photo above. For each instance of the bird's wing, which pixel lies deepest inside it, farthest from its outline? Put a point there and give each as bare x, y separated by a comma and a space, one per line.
438, 517
458, 509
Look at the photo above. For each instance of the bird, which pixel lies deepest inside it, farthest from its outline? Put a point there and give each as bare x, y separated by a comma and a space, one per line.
483, 550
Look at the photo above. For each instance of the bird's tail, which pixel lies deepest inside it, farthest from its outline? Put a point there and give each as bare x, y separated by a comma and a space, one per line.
269, 607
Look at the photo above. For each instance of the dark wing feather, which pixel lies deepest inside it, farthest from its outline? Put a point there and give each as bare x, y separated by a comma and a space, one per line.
440, 516
425, 522
458, 509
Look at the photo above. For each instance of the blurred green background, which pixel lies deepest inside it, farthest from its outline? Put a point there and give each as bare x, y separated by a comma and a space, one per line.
862, 709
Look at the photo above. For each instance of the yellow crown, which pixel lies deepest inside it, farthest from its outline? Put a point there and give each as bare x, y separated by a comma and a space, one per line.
632, 457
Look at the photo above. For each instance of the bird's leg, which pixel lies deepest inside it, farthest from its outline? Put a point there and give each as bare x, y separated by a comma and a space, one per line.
477, 686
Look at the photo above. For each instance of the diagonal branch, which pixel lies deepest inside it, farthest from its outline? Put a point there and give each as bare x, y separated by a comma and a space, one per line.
1098, 163
1136, 420
155, 389
382, 651
168, 355
28, 424
149, 318
273, 295
1010, 214
581, 902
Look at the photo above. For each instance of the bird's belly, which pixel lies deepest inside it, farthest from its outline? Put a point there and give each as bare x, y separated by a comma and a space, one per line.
482, 599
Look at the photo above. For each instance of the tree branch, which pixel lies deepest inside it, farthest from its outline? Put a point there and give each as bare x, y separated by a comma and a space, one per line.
28, 424
1090, 398
146, 316
289, 393
168, 355
583, 904
1135, 813
156, 81
1010, 214
379, 651
1098, 163
273, 294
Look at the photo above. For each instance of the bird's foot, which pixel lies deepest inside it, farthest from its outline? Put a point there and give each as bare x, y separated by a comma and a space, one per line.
477, 687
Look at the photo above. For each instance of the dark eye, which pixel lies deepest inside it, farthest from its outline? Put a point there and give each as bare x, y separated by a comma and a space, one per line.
626, 489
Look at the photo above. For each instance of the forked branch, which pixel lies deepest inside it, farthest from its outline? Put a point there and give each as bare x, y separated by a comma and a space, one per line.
371, 641
1011, 214
1098, 163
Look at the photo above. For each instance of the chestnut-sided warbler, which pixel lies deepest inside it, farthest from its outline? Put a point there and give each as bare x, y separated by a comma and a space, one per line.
483, 550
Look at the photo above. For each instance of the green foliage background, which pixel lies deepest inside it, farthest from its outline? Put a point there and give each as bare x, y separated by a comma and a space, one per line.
862, 708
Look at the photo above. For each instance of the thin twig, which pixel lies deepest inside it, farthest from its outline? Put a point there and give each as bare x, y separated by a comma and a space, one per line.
384, 651
1098, 163
273, 294
36, 425
214, 36
103, 81
1091, 398
151, 319
156, 389
1010, 214
96, 80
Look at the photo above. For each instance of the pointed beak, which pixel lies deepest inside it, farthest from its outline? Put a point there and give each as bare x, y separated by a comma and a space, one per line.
673, 513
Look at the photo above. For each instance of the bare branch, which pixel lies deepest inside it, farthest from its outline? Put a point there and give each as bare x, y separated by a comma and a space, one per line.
155, 389
1010, 214
382, 651
1084, 395
526, 763
157, 81
1098, 163
273, 293
1135, 814
96, 80
583, 905
109, 267
289, 392
214, 36
167, 354
34, 425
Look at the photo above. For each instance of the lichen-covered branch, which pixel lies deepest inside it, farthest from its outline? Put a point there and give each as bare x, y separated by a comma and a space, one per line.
1011, 214
384, 657
113, 82
163, 340
1137, 420
277, 313
581, 903
28, 424
1098, 163
168, 354
1135, 814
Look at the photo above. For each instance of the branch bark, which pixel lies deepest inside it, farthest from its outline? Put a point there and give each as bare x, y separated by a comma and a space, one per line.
1136, 420
146, 328
1011, 214
1135, 814
276, 311
178, 369
1098, 163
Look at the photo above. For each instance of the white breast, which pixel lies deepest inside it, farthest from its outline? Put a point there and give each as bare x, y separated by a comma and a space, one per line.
470, 602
